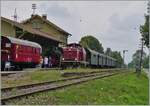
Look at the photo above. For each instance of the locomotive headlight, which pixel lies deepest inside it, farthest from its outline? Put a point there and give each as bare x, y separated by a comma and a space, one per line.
76, 59
63, 59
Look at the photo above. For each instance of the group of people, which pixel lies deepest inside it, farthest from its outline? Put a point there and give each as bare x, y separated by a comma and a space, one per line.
46, 62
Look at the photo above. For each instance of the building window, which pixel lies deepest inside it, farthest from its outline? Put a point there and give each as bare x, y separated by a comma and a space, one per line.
36, 25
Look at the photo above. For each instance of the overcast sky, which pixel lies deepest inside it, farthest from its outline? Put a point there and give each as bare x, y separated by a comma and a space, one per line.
114, 23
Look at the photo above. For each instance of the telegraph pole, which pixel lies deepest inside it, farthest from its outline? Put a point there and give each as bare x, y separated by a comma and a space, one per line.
142, 46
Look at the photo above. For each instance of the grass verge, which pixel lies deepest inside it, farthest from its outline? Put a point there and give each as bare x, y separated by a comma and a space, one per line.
123, 89
30, 77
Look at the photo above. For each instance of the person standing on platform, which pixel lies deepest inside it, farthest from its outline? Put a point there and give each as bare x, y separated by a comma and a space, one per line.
45, 62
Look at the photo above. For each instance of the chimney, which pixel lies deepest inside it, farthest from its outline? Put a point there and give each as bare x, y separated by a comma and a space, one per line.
44, 16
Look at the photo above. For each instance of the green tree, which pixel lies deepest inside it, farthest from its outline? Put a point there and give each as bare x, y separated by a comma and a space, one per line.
144, 30
92, 43
136, 59
146, 62
131, 64
108, 51
118, 57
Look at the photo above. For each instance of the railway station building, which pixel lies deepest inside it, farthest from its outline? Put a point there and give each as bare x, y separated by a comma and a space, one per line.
37, 29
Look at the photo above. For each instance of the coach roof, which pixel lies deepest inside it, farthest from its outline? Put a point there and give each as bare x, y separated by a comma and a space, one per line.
23, 42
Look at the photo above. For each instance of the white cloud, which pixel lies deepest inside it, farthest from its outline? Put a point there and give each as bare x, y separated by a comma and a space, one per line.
112, 22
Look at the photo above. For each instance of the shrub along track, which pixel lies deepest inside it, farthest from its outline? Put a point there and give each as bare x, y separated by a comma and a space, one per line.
20, 91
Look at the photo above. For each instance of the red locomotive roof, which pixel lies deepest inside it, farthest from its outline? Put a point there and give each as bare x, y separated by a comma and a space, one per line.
74, 44
23, 42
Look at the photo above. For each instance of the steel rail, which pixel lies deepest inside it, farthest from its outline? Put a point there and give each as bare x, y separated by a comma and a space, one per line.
48, 82
57, 86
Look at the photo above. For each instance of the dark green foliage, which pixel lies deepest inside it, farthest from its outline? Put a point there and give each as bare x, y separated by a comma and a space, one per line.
131, 65
136, 59
108, 51
144, 30
146, 62
118, 57
92, 43
51, 50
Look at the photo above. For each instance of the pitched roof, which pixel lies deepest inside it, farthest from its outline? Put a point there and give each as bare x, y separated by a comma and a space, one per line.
48, 22
25, 28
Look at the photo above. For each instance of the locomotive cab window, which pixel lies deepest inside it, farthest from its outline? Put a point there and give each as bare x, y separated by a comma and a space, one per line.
33, 50
8, 45
36, 50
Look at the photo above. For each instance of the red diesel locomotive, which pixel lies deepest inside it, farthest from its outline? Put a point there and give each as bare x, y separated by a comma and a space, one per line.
18, 54
73, 55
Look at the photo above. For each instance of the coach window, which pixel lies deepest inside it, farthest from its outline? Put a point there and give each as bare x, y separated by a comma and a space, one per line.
32, 50
94, 56
37, 50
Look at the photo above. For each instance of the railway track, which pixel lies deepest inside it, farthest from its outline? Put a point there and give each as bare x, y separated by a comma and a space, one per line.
20, 91
65, 79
